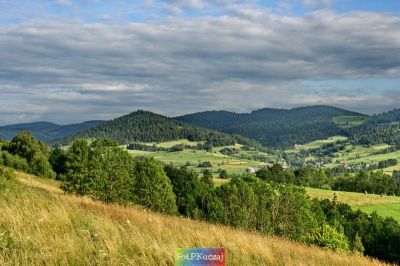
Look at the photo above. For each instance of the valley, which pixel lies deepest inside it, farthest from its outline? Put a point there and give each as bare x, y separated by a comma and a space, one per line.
320, 182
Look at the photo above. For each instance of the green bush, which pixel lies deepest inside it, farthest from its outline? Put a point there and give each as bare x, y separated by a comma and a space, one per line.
7, 174
34, 152
14, 161
328, 237
223, 174
357, 245
7, 183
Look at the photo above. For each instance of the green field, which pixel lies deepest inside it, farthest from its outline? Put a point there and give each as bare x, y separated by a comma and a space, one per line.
350, 121
387, 206
169, 144
242, 159
351, 155
360, 154
318, 143
192, 158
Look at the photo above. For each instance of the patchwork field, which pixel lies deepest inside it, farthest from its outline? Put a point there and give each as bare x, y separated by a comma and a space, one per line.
351, 154
387, 206
369, 155
192, 158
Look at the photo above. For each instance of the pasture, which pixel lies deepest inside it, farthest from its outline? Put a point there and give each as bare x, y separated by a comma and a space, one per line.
350, 121
317, 144
386, 206
368, 155
192, 158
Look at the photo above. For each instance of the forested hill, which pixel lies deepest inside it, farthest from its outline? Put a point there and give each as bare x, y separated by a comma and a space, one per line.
144, 126
381, 128
279, 128
46, 131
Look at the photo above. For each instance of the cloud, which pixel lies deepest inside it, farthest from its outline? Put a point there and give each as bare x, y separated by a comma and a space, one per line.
63, 2
210, 6
199, 4
71, 71
317, 3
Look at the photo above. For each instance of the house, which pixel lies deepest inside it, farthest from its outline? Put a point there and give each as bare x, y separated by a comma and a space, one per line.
297, 146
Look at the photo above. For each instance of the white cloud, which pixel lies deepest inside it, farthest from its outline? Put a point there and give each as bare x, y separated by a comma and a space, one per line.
72, 72
317, 3
63, 2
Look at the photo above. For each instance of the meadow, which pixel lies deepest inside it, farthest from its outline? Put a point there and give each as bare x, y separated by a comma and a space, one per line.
71, 230
350, 121
318, 143
192, 157
352, 154
386, 206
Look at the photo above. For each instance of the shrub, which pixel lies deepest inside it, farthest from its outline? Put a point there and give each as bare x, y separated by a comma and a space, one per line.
14, 161
205, 164
7, 174
7, 183
34, 152
328, 237
357, 245
223, 174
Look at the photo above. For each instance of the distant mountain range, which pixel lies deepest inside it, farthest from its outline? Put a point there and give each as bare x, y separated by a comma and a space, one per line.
144, 126
46, 131
278, 128
273, 128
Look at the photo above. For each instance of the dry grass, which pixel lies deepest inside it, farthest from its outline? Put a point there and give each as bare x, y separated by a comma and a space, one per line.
39, 225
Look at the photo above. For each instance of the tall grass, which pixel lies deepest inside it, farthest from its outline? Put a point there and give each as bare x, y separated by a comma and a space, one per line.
39, 225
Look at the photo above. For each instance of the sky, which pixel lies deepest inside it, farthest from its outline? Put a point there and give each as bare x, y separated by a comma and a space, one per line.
67, 61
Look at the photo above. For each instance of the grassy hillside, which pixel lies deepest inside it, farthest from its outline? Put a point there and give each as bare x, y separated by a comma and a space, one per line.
387, 206
40, 225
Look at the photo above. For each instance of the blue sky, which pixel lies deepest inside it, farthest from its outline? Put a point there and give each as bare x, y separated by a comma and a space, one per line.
68, 61
101, 11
